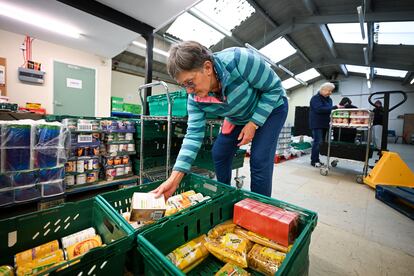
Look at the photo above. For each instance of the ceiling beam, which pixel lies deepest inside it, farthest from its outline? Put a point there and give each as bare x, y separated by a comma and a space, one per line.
330, 62
296, 24
259, 9
111, 15
408, 77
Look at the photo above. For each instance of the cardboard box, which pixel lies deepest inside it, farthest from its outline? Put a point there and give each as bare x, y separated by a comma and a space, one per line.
267, 220
145, 207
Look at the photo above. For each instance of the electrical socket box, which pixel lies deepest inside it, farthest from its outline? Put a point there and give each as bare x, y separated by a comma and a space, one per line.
30, 75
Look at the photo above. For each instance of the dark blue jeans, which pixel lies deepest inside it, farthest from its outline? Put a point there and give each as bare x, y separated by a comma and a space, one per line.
262, 152
318, 137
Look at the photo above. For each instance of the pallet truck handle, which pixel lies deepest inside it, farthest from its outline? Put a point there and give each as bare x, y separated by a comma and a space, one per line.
389, 92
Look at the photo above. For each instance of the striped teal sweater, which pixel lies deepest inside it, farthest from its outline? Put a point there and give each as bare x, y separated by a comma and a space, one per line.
250, 91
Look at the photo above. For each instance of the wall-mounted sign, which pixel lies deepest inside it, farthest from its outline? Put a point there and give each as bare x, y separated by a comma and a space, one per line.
74, 83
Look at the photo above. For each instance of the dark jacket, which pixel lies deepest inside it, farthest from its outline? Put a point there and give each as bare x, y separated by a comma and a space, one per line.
378, 116
320, 110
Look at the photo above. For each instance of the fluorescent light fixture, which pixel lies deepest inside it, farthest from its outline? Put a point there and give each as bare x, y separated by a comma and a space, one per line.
412, 81
361, 17
289, 83
187, 27
278, 49
357, 69
156, 50
38, 20
204, 18
347, 33
366, 55
395, 33
308, 74
367, 75
369, 83
390, 72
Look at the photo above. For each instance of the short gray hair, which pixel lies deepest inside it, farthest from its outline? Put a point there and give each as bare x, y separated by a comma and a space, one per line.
327, 85
187, 56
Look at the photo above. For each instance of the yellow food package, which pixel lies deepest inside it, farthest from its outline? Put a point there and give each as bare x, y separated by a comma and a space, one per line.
188, 254
40, 264
221, 229
230, 248
36, 252
189, 268
256, 238
83, 247
264, 259
231, 269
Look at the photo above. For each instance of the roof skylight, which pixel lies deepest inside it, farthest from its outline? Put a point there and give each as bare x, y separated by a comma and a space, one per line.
357, 69
395, 33
347, 32
228, 13
308, 74
187, 27
278, 49
390, 72
289, 83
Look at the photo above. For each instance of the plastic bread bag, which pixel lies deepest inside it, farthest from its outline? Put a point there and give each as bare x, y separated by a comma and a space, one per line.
264, 259
256, 238
187, 254
231, 269
230, 248
221, 229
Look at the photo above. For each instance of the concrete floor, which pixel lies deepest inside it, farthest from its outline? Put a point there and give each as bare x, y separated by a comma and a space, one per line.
356, 233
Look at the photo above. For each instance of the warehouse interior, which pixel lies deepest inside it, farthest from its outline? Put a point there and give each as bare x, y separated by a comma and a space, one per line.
364, 47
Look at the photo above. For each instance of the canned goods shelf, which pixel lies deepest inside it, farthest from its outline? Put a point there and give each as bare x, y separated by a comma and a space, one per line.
102, 184
119, 130
120, 142
86, 171
86, 131
120, 153
89, 144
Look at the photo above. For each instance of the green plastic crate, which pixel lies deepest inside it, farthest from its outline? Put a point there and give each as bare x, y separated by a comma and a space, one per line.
204, 159
121, 201
156, 242
132, 108
158, 104
27, 231
117, 99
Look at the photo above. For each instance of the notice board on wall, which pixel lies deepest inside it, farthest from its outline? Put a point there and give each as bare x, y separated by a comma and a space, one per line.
3, 82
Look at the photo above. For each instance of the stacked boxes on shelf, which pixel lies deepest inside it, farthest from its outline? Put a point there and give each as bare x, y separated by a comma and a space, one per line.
118, 145
350, 118
283, 143
83, 164
32, 154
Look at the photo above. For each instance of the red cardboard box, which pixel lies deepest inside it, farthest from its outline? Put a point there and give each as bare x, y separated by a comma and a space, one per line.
267, 220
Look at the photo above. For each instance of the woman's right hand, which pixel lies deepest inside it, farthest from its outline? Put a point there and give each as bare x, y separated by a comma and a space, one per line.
169, 186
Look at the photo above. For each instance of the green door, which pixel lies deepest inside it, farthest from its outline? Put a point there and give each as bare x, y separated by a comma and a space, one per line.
74, 90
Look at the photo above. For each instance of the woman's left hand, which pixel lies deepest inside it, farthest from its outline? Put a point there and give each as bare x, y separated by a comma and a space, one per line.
247, 134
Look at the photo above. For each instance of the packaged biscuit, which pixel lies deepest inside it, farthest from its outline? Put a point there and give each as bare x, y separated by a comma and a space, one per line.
264, 259
231, 269
221, 229
40, 264
256, 238
145, 207
36, 252
78, 236
230, 248
82, 247
185, 256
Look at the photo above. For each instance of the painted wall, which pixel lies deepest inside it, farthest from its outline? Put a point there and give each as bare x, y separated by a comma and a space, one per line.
352, 87
45, 53
126, 86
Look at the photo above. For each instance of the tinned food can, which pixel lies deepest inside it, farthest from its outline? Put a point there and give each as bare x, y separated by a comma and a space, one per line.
36, 252
91, 177
129, 136
81, 178
80, 166
82, 247
110, 174
120, 171
70, 180
6, 270
131, 147
70, 166
78, 236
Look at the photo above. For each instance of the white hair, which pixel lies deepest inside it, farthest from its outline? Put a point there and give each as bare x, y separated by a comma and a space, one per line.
327, 85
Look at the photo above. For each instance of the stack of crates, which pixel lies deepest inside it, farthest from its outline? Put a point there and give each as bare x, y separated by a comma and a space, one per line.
158, 104
132, 108
156, 242
283, 143
117, 104
25, 232
121, 201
